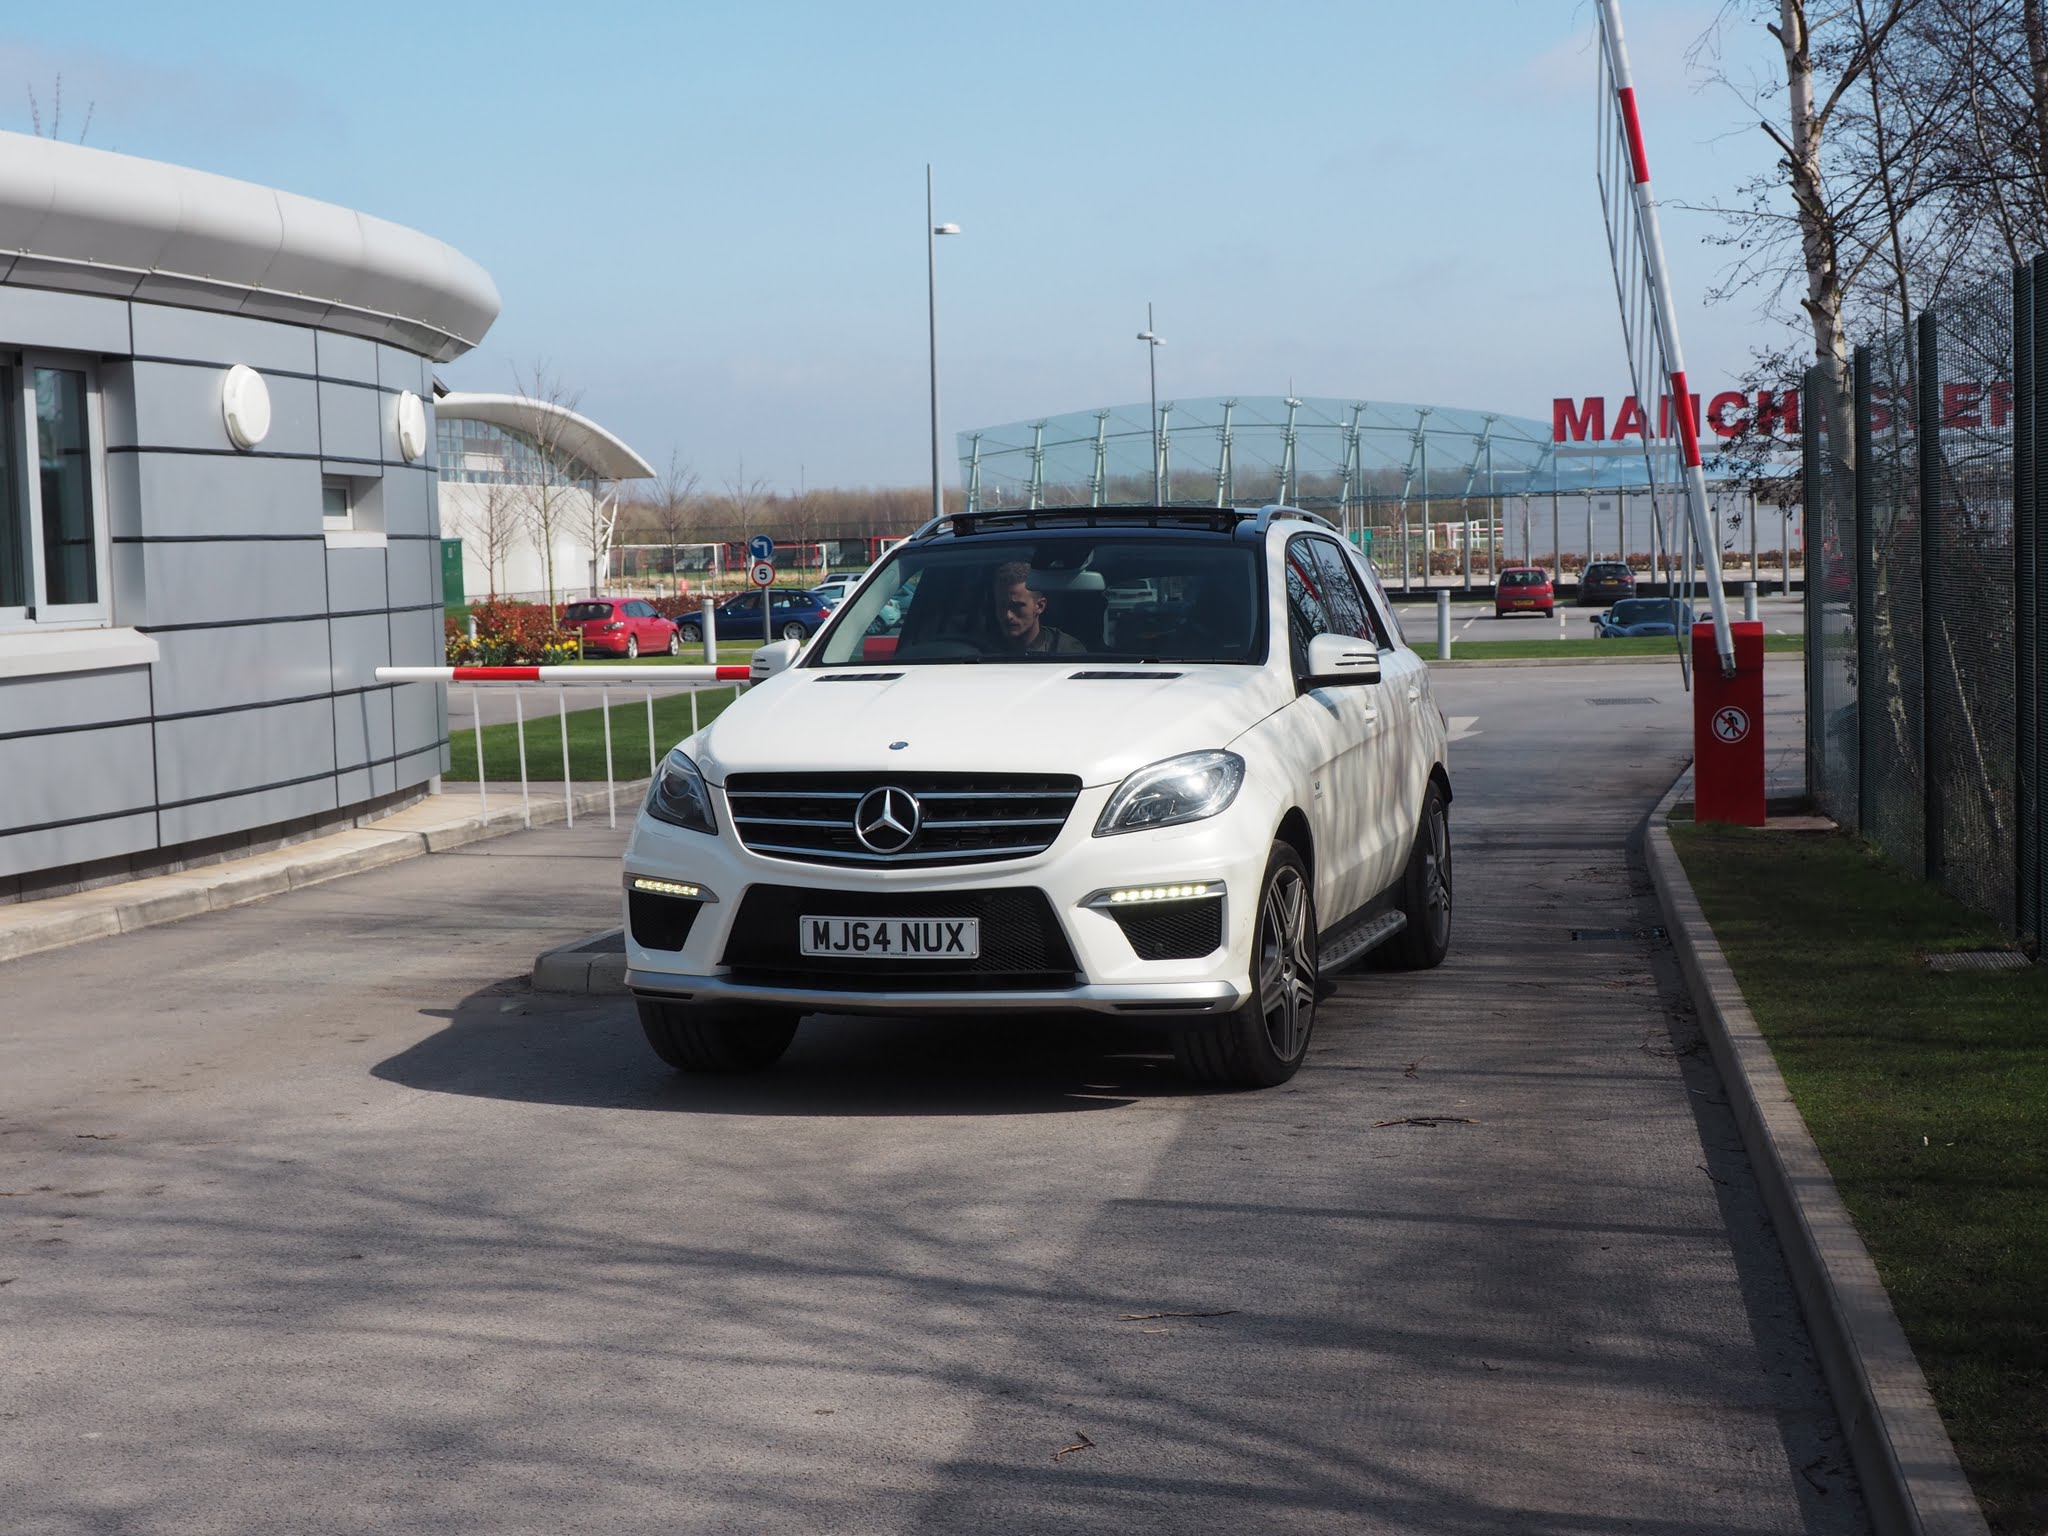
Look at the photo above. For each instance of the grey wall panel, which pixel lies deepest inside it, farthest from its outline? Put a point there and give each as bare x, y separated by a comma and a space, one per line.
352, 786
408, 500
250, 749
362, 729
419, 639
345, 357
208, 583
204, 669
351, 424
434, 507
417, 707
400, 369
26, 852
360, 647
196, 336
77, 698
355, 581
246, 813
416, 768
415, 566
72, 774
203, 495
131, 594
73, 322
178, 406
117, 403
124, 496
383, 779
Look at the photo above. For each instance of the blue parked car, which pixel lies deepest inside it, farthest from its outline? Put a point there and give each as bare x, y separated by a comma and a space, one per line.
1639, 617
794, 614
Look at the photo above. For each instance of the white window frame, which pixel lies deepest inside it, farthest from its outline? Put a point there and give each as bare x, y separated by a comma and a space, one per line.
28, 489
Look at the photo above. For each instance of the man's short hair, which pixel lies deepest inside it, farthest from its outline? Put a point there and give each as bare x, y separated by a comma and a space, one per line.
1011, 572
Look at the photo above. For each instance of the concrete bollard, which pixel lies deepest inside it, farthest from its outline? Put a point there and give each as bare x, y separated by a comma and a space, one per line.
1749, 601
709, 612
1443, 626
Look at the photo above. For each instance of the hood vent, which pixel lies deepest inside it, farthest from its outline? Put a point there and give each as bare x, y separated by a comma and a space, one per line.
859, 677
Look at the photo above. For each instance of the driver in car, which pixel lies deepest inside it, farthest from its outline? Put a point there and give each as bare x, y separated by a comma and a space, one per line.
1020, 615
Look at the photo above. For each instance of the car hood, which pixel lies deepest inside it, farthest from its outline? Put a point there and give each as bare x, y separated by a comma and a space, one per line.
1631, 630
1035, 718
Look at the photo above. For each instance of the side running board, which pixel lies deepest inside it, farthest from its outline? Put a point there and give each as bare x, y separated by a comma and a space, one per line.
1353, 944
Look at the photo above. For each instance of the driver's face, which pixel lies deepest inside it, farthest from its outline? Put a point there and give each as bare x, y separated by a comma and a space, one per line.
1017, 610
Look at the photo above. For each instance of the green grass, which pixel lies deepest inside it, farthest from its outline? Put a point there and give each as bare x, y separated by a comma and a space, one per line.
1928, 1097
1586, 649
586, 738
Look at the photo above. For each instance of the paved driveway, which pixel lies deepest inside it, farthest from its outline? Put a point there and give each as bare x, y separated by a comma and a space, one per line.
317, 1219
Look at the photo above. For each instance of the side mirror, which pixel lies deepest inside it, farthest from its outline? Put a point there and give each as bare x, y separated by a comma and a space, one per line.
772, 658
1339, 661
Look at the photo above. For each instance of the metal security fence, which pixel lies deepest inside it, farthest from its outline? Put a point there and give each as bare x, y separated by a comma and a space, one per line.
1923, 624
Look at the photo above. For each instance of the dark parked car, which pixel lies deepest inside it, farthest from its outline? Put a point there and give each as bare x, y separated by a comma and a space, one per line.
1523, 589
620, 626
1636, 617
1606, 581
793, 615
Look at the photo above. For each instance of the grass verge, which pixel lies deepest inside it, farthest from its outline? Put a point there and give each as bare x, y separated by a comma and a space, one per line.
586, 738
1578, 650
1927, 1094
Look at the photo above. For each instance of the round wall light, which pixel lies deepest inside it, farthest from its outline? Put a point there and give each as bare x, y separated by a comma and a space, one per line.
412, 426
245, 406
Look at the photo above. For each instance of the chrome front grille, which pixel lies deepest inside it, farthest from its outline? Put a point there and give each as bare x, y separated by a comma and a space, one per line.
961, 818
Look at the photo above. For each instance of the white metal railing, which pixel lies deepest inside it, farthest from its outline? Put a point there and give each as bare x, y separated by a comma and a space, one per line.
695, 679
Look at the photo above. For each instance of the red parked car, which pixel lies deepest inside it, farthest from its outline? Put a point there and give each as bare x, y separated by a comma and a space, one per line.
1523, 589
621, 626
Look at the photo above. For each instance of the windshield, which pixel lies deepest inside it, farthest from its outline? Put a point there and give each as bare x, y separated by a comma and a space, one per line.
1083, 596
1644, 610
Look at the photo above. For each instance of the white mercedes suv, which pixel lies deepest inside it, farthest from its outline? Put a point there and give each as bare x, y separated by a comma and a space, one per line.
984, 786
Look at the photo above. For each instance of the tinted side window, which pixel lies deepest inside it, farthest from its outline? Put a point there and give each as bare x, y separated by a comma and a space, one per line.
1341, 593
1308, 612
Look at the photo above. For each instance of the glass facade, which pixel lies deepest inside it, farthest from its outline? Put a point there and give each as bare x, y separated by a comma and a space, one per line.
481, 453
1324, 454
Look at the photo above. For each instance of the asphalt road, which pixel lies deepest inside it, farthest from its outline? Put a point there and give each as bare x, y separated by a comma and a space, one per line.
314, 1218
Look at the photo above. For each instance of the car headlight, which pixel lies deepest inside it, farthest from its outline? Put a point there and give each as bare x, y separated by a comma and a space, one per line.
1191, 787
678, 795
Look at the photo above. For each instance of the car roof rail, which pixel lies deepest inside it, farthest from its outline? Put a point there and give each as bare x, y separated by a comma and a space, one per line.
1012, 519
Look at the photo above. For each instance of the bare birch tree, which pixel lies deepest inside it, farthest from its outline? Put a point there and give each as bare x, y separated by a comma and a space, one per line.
675, 511
493, 520
548, 505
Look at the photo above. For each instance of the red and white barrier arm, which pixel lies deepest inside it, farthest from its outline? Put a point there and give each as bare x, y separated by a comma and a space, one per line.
650, 675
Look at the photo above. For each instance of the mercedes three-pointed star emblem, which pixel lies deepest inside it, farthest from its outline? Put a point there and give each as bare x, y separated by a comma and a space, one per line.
887, 819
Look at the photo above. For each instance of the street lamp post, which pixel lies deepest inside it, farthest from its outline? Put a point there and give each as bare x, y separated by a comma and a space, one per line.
1153, 343
931, 273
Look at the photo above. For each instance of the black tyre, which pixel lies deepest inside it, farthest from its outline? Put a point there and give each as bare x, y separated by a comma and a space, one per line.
675, 642
1426, 891
1265, 1041
632, 647
691, 633
693, 1038
795, 631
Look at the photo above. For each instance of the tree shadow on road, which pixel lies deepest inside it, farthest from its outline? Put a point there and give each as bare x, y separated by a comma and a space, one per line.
508, 1042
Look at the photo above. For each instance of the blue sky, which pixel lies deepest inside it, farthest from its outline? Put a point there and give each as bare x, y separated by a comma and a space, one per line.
709, 218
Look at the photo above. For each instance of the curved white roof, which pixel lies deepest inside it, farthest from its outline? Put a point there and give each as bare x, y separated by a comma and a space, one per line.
89, 221
543, 421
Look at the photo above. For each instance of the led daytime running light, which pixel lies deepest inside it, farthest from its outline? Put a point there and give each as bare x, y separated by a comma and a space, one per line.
667, 887
1143, 893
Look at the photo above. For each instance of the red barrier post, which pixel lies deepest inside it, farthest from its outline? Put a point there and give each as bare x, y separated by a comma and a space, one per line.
1728, 727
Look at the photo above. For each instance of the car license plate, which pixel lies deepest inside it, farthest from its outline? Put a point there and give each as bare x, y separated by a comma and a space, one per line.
891, 938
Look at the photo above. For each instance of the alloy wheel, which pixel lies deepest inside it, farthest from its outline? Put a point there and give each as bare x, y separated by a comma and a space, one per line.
1436, 873
1287, 965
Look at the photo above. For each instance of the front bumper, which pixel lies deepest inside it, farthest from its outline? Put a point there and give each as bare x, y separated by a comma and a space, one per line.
1108, 976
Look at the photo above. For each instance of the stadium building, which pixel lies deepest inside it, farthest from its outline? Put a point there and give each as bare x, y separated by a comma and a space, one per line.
1430, 490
